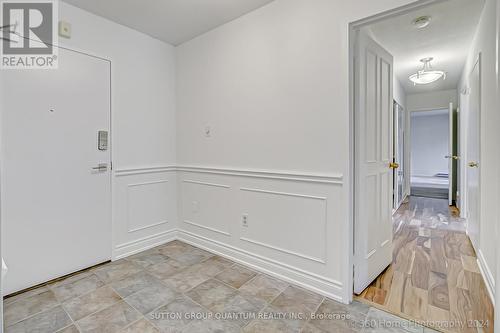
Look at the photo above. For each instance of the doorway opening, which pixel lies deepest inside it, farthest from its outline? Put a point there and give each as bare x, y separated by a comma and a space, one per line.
414, 255
433, 154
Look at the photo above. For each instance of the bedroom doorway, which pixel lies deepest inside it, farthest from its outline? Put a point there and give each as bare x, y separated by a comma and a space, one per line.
414, 263
433, 154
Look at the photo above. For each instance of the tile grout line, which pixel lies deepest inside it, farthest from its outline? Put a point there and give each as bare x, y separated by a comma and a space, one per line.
93, 313
309, 320
210, 278
33, 315
268, 304
59, 302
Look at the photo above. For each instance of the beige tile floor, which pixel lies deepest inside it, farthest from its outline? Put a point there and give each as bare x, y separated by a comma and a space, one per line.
180, 288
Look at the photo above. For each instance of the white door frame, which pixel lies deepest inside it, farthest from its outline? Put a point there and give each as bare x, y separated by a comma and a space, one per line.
408, 147
398, 201
462, 130
353, 26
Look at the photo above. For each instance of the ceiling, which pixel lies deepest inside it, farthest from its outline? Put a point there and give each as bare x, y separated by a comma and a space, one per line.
172, 21
447, 38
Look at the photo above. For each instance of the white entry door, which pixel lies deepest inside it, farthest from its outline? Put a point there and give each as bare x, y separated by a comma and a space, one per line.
56, 192
451, 155
473, 155
373, 161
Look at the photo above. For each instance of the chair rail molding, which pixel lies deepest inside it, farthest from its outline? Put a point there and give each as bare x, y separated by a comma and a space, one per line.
143, 170
333, 178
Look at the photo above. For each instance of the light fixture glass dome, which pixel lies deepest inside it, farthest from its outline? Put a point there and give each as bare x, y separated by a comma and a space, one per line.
427, 75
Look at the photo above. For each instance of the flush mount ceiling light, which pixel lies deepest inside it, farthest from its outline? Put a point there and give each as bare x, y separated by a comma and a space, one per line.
427, 75
421, 22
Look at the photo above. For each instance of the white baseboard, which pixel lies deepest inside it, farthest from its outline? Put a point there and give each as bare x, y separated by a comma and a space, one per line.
310, 281
143, 244
487, 276
318, 284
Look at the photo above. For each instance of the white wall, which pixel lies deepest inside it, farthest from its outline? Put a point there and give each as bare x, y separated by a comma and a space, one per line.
274, 87
429, 143
432, 100
484, 43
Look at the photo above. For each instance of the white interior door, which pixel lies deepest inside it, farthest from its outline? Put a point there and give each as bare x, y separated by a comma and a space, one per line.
373, 158
450, 155
56, 209
473, 155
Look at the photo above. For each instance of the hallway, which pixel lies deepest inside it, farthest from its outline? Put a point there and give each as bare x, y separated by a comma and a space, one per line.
434, 276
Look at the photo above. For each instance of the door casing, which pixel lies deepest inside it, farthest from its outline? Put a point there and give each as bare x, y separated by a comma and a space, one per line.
353, 26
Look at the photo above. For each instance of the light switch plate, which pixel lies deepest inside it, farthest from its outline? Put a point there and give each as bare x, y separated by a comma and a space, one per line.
64, 29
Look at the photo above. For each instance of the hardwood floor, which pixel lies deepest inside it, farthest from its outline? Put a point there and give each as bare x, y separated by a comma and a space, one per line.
434, 277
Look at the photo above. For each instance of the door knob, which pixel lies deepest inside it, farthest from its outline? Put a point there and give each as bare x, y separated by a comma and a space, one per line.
473, 165
393, 165
101, 167
452, 157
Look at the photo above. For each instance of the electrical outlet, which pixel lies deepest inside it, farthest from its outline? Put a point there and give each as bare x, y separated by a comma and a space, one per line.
244, 220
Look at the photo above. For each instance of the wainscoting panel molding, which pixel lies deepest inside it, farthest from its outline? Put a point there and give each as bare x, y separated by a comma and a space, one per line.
144, 209
281, 223
289, 225
300, 214
146, 205
205, 208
